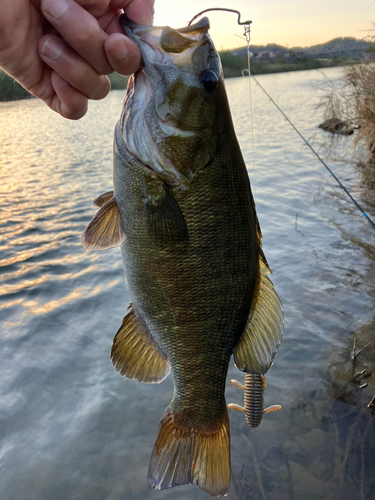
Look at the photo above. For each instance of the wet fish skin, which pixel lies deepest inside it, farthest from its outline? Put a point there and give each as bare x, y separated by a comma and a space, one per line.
193, 296
191, 249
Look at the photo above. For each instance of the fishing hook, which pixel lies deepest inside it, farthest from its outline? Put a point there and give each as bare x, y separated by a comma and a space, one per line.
246, 24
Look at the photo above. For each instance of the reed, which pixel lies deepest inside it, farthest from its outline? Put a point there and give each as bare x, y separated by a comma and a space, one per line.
353, 101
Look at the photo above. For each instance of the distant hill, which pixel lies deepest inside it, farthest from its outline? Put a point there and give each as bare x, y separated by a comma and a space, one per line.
349, 46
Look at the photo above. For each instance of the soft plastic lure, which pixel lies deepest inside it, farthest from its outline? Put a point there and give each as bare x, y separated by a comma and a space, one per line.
254, 387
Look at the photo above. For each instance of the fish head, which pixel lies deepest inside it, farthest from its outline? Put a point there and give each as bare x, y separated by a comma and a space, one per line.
170, 115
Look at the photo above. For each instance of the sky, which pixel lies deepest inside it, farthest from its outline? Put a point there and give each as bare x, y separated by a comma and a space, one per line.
289, 23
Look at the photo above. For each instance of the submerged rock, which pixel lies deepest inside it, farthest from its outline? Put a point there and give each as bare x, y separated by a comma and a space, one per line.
337, 126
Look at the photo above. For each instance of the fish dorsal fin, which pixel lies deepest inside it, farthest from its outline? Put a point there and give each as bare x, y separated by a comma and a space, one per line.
264, 327
103, 198
135, 354
105, 230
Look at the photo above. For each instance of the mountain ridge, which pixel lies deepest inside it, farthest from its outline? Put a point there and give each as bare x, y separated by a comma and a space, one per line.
336, 44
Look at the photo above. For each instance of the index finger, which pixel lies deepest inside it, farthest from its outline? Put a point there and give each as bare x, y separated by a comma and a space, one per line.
80, 29
95, 7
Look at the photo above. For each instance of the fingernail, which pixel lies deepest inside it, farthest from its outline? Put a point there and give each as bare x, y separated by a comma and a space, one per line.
54, 8
62, 82
120, 50
52, 48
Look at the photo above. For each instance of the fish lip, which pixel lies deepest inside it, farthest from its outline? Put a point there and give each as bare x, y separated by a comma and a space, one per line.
154, 59
135, 31
128, 27
127, 24
147, 39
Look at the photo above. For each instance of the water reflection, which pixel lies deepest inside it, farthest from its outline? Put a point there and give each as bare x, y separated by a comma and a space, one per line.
72, 427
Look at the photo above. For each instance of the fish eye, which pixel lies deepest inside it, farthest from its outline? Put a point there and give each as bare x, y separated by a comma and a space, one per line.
209, 80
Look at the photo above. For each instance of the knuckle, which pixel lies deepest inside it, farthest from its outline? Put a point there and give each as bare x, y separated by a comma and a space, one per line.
102, 89
95, 7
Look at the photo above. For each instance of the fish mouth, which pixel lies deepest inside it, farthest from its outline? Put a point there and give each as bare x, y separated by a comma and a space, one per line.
163, 49
162, 44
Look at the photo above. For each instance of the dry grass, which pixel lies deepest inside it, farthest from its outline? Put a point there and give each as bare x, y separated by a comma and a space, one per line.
353, 101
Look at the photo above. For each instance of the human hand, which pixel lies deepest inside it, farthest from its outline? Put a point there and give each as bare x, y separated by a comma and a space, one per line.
61, 50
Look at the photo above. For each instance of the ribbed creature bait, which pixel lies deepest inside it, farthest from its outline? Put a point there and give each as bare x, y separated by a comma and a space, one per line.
255, 385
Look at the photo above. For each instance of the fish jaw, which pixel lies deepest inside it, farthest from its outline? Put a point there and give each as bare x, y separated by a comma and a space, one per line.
168, 121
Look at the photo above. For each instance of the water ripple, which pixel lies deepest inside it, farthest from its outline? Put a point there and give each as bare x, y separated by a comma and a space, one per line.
71, 426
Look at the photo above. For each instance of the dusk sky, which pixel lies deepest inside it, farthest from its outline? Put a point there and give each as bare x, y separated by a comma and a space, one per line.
286, 22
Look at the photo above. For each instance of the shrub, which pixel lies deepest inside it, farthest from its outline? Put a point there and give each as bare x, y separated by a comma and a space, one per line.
10, 90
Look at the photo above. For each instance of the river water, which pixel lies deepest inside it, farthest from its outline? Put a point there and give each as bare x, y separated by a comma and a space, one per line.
71, 427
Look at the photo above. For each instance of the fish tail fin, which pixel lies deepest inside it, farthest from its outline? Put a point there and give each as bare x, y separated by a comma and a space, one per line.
182, 455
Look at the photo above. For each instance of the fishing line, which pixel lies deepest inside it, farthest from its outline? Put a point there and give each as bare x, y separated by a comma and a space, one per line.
365, 215
247, 37
246, 34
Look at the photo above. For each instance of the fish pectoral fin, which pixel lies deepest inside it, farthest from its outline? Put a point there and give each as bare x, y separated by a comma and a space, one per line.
164, 219
264, 328
103, 198
135, 355
105, 230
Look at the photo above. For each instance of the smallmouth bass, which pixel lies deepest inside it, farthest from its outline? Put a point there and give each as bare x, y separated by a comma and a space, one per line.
183, 212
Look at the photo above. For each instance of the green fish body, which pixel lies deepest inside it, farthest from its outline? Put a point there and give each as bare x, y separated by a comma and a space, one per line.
183, 212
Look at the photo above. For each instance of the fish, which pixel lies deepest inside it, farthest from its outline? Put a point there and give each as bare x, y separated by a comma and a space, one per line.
183, 213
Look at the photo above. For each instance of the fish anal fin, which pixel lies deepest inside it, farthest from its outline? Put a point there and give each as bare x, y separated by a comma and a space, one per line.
135, 355
103, 198
264, 327
185, 455
105, 230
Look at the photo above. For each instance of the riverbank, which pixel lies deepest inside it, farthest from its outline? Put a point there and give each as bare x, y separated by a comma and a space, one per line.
233, 65
10, 90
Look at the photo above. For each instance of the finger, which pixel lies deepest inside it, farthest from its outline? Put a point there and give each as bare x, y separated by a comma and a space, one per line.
80, 29
123, 54
139, 11
67, 101
72, 68
95, 7
59, 95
